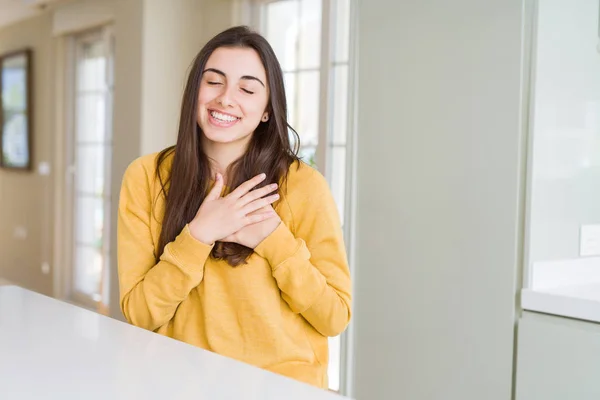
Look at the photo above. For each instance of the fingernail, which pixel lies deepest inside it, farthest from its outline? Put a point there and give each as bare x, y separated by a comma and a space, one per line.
274, 186
276, 196
263, 175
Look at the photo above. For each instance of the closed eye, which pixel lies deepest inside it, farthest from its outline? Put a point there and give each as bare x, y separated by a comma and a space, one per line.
247, 91
214, 83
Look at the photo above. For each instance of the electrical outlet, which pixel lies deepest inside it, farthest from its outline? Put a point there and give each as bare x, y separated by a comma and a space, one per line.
589, 243
20, 232
45, 268
44, 168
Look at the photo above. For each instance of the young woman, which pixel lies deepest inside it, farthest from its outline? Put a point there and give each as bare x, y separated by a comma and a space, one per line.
227, 241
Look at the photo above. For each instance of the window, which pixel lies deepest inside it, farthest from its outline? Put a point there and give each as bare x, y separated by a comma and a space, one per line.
311, 39
89, 154
562, 241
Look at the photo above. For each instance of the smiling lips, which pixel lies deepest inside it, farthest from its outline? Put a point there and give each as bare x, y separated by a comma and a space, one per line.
221, 119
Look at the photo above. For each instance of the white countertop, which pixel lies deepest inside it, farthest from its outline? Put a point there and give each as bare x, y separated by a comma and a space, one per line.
54, 350
569, 288
580, 302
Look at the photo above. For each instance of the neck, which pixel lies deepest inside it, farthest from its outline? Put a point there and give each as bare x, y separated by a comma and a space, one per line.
222, 155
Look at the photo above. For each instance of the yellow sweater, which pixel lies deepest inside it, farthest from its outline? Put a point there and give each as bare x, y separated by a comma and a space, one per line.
275, 312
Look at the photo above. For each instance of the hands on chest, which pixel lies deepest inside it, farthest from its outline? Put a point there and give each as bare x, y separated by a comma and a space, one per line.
244, 216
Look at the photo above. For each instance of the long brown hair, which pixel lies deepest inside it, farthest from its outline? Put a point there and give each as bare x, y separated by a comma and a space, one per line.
270, 149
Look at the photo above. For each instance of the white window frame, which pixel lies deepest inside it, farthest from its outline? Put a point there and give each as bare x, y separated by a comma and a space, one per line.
64, 276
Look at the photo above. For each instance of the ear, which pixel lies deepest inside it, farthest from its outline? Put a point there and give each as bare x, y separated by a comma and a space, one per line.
265, 117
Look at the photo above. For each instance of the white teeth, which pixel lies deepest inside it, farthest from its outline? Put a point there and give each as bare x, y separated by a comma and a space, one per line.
222, 117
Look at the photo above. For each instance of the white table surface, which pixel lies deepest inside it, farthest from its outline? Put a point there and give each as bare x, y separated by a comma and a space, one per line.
53, 350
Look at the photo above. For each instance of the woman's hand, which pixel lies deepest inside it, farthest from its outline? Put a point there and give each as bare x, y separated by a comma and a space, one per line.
219, 217
252, 235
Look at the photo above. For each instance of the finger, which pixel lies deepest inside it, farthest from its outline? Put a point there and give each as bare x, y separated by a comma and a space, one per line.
215, 192
261, 210
259, 217
257, 194
247, 186
260, 203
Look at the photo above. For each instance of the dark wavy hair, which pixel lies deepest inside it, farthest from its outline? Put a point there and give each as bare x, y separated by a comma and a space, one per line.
270, 149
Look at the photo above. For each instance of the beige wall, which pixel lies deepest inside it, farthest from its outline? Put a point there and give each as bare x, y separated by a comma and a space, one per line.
173, 33
156, 42
127, 117
217, 15
26, 198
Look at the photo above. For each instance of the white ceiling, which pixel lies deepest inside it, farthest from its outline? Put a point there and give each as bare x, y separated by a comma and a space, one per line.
12, 11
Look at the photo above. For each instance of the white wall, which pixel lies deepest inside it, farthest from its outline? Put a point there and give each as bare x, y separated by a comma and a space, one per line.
566, 128
439, 181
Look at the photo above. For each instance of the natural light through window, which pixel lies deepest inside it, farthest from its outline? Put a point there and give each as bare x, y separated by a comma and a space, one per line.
295, 30
91, 148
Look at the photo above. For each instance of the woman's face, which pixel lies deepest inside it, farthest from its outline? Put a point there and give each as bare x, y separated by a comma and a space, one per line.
233, 95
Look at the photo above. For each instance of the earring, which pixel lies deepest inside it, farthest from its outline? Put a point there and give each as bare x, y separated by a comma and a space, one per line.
265, 118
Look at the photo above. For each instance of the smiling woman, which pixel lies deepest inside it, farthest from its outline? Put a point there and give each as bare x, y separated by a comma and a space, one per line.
227, 240
232, 92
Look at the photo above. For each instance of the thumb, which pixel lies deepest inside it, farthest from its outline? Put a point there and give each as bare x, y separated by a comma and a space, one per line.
215, 192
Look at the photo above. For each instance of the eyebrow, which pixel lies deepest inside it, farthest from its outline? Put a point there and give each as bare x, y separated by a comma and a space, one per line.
246, 77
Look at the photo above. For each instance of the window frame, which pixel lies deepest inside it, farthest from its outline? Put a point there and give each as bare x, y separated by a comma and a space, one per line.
68, 291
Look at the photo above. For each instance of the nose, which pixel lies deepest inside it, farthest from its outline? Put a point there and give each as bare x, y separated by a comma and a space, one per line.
226, 98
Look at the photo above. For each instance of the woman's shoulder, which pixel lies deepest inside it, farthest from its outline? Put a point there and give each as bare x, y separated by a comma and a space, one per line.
145, 166
304, 182
306, 196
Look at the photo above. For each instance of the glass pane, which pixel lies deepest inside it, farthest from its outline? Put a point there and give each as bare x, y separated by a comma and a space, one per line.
308, 108
15, 149
291, 96
91, 118
88, 270
282, 31
333, 370
91, 158
340, 104
90, 169
14, 83
310, 34
308, 155
565, 164
342, 31
108, 122
89, 217
91, 67
338, 178
110, 80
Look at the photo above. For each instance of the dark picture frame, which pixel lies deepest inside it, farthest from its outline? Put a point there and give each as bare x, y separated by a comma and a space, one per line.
16, 122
